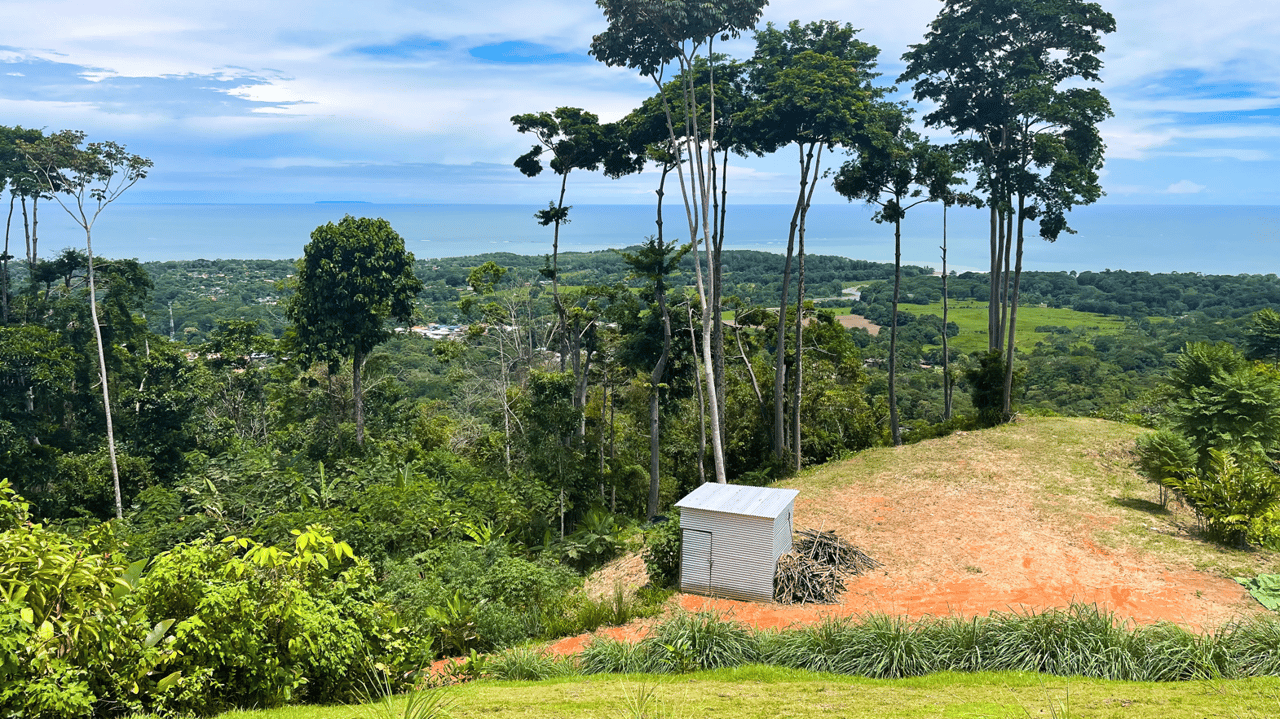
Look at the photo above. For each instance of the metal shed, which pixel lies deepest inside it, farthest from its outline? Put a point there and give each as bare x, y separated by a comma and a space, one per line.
731, 539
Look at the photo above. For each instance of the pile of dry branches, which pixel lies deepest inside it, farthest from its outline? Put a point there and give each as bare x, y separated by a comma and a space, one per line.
814, 570
828, 548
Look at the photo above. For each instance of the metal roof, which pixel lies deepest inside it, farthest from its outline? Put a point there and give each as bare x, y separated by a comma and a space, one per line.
767, 502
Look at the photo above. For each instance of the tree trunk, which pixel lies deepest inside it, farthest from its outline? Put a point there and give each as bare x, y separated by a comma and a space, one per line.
6, 256
816, 165
717, 332
946, 353
562, 320
780, 351
1013, 313
993, 278
102, 372
702, 415
655, 379
796, 387
893, 334
699, 180
357, 394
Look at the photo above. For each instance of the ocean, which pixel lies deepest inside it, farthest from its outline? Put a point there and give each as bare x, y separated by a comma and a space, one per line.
1211, 239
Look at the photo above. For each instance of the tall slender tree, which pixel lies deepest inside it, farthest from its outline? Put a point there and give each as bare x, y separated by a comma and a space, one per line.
91, 177
1007, 76
649, 36
811, 86
896, 171
576, 140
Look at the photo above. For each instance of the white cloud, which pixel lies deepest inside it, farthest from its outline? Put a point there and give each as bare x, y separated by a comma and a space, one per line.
1184, 187
323, 102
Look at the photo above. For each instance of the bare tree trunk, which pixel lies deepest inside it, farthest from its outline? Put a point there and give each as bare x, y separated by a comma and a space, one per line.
6, 256
702, 416
102, 371
946, 353
993, 280
655, 379
798, 391
799, 373
26, 228
561, 318
717, 335
780, 351
35, 231
1013, 313
699, 180
751, 372
893, 334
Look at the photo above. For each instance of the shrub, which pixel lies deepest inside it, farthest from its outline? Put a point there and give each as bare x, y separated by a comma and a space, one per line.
74, 640
606, 655
690, 642
662, 552
1233, 495
270, 625
525, 664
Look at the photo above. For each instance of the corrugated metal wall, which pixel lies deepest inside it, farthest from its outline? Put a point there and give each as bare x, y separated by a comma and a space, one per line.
743, 558
781, 535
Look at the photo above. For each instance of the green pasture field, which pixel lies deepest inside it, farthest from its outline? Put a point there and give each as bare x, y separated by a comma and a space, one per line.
768, 692
971, 316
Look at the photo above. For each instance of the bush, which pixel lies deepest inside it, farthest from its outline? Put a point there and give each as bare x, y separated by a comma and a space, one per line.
662, 552
271, 626
74, 640
525, 664
692, 642
1233, 496
505, 598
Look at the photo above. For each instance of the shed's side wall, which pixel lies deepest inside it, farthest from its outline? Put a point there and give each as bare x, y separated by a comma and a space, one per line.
742, 558
782, 533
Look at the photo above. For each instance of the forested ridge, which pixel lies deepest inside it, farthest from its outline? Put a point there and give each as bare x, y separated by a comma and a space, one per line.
238, 483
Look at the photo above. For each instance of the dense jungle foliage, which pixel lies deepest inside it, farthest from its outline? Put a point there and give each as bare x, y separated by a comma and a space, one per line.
243, 483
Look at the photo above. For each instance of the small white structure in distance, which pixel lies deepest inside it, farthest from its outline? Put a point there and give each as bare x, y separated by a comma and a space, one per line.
731, 538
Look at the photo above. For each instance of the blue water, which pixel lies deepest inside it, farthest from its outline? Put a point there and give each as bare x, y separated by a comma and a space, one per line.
1210, 239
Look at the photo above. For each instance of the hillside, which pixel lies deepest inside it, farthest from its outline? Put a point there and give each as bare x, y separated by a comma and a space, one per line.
1039, 513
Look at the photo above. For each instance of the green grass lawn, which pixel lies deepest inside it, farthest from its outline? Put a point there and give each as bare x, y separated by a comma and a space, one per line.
767, 692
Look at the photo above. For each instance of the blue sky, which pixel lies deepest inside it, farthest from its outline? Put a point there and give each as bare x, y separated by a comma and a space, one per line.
388, 101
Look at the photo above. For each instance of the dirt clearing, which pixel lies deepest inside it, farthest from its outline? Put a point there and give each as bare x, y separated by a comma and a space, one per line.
1025, 517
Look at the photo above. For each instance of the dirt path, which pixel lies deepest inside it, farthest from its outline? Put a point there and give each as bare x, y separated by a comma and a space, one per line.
973, 526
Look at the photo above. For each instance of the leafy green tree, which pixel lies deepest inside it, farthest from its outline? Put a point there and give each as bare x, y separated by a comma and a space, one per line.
353, 278
896, 170
92, 177
1263, 335
812, 89
550, 422
1007, 75
1219, 400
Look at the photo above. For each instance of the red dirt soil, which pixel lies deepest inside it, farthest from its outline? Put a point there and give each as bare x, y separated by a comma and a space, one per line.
973, 540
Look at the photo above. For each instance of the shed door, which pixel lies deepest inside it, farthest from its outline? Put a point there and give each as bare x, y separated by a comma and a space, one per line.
695, 561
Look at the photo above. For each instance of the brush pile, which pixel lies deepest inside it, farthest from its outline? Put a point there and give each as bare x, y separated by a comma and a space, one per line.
815, 569
828, 548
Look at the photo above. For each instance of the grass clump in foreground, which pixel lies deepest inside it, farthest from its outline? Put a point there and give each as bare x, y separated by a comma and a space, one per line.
1080, 641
